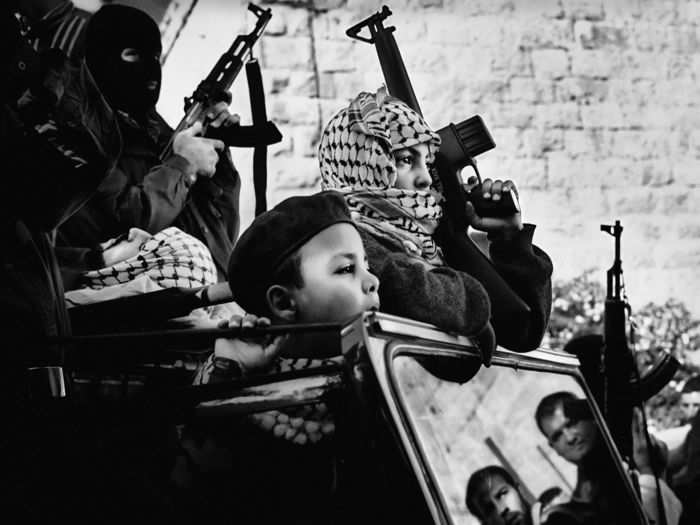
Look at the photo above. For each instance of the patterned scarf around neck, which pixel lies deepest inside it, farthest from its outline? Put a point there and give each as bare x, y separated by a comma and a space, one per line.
356, 158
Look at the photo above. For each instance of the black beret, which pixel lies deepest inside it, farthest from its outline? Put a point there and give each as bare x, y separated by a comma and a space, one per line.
275, 235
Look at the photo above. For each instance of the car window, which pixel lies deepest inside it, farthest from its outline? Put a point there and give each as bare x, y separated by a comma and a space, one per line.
486, 429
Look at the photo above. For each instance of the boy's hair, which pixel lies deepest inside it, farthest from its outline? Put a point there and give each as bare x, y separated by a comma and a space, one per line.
288, 274
548, 405
267, 253
481, 477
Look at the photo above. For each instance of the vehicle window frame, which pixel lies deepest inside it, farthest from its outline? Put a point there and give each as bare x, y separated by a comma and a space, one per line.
398, 348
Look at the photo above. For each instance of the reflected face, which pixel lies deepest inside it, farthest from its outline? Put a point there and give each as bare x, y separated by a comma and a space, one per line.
337, 281
572, 440
690, 403
414, 166
500, 504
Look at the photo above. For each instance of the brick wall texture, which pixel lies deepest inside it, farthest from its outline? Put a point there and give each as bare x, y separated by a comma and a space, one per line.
594, 107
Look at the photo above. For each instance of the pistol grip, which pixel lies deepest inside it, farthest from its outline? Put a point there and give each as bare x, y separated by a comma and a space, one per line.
507, 206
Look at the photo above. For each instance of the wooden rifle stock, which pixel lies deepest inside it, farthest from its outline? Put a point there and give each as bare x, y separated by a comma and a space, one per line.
460, 144
221, 77
145, 310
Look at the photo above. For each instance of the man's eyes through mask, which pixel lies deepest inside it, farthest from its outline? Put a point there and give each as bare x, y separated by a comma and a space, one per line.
130, 55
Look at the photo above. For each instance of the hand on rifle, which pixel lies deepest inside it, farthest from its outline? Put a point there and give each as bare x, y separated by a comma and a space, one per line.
499, 226
218, 116
252, 353
123, 247
201, 153
645, 458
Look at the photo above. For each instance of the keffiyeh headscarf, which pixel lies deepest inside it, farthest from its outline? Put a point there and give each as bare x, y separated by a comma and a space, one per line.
356, 158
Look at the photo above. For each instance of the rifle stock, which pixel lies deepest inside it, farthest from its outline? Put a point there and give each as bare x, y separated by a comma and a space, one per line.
145, 310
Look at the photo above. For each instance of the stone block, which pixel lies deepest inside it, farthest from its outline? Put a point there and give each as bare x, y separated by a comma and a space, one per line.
536, 142
558, 116
538, 32
508, 140
282, 52
585, 9
529, 91
595, 63
550, 63
296, 110
597, 35
305, 140
293, 172
686, 172
605, 115
333, 56
633, 200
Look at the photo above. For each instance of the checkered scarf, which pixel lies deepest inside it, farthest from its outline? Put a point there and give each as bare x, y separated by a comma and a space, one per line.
171, 258
356, 158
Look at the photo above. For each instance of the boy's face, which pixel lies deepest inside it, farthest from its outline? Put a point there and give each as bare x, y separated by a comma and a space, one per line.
337, 282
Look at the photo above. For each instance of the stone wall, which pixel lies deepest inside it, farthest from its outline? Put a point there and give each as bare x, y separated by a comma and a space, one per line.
594, 107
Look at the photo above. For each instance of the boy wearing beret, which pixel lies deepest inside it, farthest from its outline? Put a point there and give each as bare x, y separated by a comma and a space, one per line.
301, 262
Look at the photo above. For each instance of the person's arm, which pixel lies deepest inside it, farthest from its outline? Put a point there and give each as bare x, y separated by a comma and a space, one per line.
409, 287
525, 268
528, 270
237, 358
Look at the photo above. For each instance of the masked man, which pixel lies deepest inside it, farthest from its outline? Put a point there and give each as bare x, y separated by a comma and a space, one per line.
195, 188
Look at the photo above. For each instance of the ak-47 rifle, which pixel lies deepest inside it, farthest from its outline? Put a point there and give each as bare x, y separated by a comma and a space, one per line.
618, 365
219, 81
623, 388
460, 144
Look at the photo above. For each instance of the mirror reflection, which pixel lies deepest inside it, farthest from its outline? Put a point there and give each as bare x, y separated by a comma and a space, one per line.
513, 446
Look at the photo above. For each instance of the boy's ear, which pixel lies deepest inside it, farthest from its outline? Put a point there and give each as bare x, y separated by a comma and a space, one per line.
281, 302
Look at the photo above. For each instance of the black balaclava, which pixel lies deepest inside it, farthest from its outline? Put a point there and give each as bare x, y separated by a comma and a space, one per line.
123, 79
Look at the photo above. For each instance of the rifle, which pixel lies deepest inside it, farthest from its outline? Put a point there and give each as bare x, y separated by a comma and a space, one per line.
620, 372
617, 362
144, 311
218, 82
460, 144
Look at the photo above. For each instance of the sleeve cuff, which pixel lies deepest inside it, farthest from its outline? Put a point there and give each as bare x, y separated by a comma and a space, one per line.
519, 242
181, 164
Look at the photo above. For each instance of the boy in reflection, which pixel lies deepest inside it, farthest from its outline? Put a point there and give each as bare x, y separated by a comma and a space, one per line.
494, 498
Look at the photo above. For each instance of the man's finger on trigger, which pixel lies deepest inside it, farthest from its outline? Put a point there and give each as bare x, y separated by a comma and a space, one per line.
220, 119
218, 144
195, 129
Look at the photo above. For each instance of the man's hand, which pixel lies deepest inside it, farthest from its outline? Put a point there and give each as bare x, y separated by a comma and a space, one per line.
640, 451
117, 250
202, 153
253, 354
219, 116
493, 190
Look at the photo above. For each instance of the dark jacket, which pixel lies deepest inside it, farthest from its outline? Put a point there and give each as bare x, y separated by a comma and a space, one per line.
142, 192
57, 151
454, 300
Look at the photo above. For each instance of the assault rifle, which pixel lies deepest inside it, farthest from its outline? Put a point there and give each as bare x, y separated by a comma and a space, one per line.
617, 362
219, 81
460, 144
623, 388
